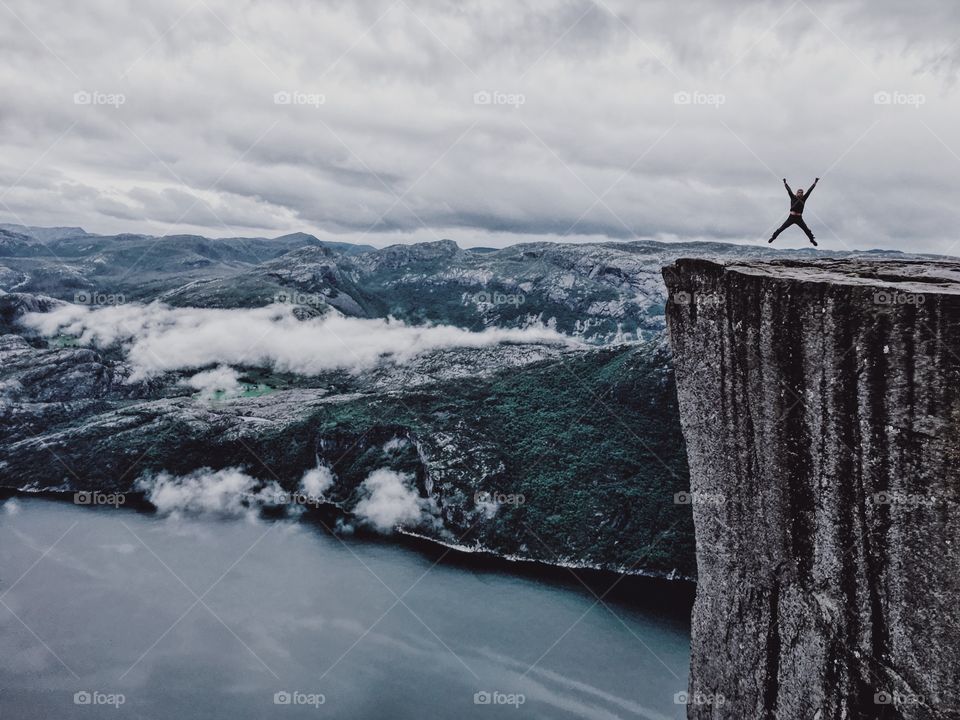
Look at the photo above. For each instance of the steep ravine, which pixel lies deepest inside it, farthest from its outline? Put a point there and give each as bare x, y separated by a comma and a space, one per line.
820, 403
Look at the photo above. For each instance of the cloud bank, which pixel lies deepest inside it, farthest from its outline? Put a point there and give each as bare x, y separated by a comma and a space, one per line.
230, 491
388, 499
158, 338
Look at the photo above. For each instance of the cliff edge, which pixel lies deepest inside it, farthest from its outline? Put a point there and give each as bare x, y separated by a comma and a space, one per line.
820, 402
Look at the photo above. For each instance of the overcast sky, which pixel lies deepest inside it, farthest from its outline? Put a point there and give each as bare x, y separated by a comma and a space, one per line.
488, 122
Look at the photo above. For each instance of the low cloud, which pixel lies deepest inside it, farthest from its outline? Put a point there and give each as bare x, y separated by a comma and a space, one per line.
228, 492
159, 338
316, 482
223, 379
389, 500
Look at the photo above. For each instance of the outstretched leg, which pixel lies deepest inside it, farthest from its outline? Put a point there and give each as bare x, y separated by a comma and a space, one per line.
803, 226
786, 223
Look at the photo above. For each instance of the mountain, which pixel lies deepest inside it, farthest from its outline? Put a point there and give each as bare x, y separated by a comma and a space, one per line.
300, 238
17, 244
45, 234
601, 292
581, 440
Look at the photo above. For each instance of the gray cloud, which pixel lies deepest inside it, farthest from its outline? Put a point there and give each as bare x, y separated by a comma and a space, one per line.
388, 499
158, 338
222, 379
199, 145
230, 491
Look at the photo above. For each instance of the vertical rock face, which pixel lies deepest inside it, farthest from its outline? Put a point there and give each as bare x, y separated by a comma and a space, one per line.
820, 401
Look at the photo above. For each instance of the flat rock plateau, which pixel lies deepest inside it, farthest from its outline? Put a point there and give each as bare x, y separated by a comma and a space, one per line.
820, 403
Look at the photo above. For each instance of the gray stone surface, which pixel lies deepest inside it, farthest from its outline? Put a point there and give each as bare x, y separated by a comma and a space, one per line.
820, 402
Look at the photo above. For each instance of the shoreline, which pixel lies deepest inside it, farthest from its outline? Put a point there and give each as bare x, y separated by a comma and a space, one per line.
672, 576
634, 587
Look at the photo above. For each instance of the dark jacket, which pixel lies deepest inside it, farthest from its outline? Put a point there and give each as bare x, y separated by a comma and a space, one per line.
797, 203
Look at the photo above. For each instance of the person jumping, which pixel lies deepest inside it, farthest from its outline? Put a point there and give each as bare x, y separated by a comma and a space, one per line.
797, 201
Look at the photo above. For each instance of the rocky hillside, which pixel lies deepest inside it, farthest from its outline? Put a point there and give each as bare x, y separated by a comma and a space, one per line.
561, 454
601, 292
587, 434
820, 402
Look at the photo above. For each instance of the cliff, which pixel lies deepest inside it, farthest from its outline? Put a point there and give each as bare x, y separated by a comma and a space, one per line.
820, 402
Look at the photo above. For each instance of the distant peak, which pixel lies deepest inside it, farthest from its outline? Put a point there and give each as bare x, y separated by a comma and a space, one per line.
305, 237
433, 248
44, 233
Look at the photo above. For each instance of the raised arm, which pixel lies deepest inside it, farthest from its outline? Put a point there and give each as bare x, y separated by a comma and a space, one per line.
789, 191
810, 190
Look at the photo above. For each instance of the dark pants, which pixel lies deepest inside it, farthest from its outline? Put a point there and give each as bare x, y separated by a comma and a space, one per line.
793, 220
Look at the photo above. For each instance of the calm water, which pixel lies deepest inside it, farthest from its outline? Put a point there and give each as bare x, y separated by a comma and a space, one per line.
211, 618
